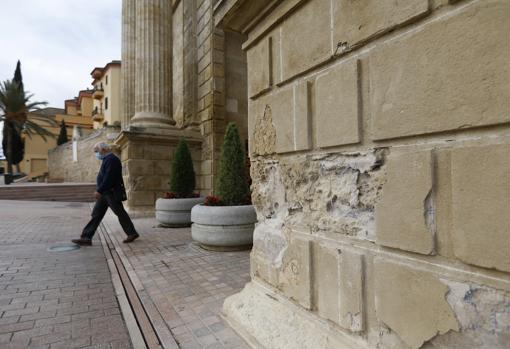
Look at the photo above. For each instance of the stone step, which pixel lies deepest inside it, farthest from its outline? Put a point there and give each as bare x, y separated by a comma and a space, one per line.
49, 192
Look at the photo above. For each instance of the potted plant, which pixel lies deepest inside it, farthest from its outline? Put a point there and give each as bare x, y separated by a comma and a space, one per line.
226, 222
174, 210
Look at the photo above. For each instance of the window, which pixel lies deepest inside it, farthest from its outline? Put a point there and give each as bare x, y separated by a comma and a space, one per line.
106, 81
106, 103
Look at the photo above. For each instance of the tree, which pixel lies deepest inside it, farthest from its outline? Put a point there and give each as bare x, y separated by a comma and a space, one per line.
62, 136
18, 143
232, 186
15, 105
182, 177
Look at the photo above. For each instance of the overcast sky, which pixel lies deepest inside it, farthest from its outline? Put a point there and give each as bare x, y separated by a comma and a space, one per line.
59, 42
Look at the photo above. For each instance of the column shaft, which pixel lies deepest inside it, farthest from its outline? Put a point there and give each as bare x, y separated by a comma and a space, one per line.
153, 66
128, 62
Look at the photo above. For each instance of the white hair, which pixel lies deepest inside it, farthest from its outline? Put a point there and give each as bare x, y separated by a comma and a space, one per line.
103, 146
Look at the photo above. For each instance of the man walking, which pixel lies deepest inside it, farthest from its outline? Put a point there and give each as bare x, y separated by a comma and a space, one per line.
110, 192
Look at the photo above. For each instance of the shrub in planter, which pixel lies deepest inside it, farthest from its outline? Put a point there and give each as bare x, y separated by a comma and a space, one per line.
226, 221
174, 210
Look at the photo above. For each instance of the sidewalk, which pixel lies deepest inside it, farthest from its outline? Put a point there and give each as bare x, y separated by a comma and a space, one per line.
54, 299
181, 285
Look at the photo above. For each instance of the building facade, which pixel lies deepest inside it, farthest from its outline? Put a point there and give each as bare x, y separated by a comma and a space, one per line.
378, 134
35, 160
106, 83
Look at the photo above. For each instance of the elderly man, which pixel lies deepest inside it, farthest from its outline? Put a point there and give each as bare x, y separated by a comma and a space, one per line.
110, 192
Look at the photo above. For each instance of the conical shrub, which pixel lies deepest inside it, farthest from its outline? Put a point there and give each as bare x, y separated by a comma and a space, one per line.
62, 136
232, 185
182, 176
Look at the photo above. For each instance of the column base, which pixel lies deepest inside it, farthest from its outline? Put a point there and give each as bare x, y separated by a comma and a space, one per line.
267, 320
152, 120
146, 155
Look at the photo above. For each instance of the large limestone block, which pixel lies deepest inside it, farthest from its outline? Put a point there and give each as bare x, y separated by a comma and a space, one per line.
295, 276
357, 20
351, 279
327, 283
288, 112
412, 303
337, 106
451, 74
282, 111
480, 204
306, 38
260, 67
404, 216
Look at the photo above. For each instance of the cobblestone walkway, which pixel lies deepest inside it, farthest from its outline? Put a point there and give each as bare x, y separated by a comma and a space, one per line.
54, 299
186, 284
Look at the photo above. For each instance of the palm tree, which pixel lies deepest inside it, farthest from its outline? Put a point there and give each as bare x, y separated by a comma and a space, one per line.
15, 105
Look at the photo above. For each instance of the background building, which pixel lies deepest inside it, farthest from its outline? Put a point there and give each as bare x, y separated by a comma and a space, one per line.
106, 95
35, 161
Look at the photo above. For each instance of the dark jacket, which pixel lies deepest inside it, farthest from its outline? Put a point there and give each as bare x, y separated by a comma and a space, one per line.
109, 178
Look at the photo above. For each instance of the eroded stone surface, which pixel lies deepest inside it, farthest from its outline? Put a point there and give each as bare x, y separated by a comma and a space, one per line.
404, 216
412, 302
295, 275
329, 192
483, 314
264, 135
280, 326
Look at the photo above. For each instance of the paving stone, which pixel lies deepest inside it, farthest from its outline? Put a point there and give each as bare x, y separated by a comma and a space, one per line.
187, 284
49, 298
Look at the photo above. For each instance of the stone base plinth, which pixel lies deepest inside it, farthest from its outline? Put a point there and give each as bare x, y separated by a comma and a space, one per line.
146, 156
267, 320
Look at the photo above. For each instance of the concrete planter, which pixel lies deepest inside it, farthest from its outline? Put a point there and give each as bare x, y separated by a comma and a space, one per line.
223, 228
175, 213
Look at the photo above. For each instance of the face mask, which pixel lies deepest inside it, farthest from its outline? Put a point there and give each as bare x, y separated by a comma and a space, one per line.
99, 156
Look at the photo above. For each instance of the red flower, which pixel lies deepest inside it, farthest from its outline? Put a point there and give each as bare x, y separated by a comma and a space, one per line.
212, 201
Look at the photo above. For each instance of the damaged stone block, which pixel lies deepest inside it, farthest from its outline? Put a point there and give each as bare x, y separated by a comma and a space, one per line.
351, 277
412, 302
480, 204
404, 216
295, 274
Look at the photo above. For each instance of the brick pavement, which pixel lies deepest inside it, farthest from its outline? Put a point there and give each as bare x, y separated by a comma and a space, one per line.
54, 299
186, 284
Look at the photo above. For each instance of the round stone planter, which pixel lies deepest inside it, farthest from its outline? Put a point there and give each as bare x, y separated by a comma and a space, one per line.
223, 228
175, 213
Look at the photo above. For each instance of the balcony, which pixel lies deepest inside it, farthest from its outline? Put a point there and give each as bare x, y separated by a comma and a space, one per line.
98, 93
97, 114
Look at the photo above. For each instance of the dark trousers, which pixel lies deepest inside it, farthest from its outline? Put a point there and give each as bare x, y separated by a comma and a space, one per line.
106, 200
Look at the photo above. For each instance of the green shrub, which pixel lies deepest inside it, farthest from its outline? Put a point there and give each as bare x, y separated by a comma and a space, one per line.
182, 176
232, 185
62, 136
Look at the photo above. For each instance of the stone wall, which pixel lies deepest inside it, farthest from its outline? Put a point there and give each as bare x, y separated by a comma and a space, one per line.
61, 166
379, 141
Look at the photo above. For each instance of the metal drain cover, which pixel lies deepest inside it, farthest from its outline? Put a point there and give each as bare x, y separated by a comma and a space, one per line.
63, 248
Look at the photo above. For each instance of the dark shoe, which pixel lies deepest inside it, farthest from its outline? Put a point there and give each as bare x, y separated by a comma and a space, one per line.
131, 238
82, 242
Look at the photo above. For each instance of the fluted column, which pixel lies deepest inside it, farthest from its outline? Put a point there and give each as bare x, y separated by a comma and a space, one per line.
153, 65
127, 82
